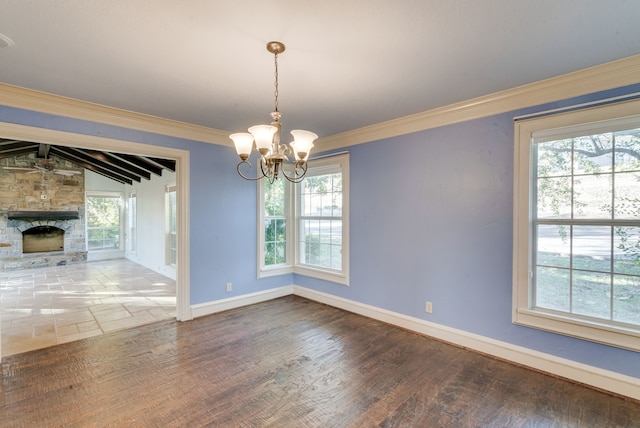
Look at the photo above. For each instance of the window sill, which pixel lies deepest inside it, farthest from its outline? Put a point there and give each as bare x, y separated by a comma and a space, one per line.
618, 336
337, 277
274, 271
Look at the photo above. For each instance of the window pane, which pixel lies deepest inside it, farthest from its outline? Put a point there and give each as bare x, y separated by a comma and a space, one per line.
554, 198
325, 231
592, 248
336, 257
554, 158
627, 149
626, 250
103, 223
592, 196
553, 246
103, 211
593, 154
274, 199
275, 241
553, 289
280, 252
336, 232
626, 299
627, 199
591, 294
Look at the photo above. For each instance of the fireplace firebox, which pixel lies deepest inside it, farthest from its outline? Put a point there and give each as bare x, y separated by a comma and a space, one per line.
41, 239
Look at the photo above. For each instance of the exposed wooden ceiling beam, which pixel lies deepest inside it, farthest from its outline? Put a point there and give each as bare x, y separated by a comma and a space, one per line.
114, 160
169, 164
140, 162
122, 168
91, 167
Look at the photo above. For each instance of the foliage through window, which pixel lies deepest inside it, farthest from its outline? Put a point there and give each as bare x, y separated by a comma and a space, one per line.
103, 222
275, 223
585, 227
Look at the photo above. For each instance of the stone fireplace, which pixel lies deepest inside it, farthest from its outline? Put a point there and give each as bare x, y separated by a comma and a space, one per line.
42, 221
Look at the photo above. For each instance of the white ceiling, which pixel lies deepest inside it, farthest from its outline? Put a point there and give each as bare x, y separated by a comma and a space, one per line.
348, 63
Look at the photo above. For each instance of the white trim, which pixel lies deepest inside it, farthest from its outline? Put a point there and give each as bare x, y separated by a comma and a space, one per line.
615, 74
29, 99
545, 127
596, 377
43, 135
208, 308
611, 75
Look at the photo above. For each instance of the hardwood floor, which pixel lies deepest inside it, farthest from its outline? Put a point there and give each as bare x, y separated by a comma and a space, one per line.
288, 362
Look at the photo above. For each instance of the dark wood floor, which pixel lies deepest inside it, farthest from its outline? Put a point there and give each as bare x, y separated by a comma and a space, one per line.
287, 363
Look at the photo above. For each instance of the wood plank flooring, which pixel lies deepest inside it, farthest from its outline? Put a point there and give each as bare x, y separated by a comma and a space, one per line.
288, 362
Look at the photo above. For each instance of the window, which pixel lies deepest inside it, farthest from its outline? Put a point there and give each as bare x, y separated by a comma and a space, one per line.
171, 225
103, 222
132, 222
577, 224
275, 223
304, 226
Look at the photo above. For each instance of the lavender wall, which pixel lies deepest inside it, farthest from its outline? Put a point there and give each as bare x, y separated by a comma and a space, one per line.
431, 219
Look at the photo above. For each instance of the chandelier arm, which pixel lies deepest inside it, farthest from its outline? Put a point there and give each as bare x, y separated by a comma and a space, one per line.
250, 166
296, 177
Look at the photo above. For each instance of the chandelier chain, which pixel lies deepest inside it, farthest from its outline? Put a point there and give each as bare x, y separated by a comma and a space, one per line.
275, 92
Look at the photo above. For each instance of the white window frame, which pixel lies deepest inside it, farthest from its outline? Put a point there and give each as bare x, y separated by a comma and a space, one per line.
169, 189
132, 223
523, 313
325, 165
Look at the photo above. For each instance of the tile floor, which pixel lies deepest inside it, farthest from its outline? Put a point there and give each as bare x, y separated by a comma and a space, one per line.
47, 306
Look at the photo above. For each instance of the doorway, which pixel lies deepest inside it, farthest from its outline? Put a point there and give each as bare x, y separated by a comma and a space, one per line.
47, 136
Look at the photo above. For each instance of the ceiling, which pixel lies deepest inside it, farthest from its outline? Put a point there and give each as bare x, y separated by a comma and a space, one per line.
348, 64
120, 167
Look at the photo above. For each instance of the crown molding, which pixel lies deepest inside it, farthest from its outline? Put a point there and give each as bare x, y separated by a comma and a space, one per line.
611, 75
28, 99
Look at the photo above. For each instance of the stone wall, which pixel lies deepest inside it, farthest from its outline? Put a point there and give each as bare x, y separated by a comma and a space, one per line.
24, 190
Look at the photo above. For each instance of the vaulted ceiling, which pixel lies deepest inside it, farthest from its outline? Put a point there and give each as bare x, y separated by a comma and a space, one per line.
123, 168
347, 64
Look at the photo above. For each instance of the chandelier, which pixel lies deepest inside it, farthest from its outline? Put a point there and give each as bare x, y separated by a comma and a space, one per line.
275, 158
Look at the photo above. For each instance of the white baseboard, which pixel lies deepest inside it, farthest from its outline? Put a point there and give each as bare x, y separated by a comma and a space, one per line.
596, 377
209, 308
568, 369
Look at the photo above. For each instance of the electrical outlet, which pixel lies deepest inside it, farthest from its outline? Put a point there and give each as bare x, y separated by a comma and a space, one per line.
229, 287
429, 307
